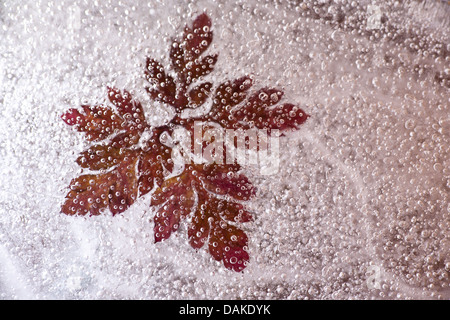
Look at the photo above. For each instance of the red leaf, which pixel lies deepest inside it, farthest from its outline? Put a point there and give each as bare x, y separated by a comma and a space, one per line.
129, 109
124, 190
258, 112
116, 189
163, 89
200, 68
100, 122
187, 63
100, 157
228, 244
205, 197
196, 40
155, 159
228, 95
226, 180
97, 122
199, 94
90, 193
176, 198
210, 209
233, 211
73, 117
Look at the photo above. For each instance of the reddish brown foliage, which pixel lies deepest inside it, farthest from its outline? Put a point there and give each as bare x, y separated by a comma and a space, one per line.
125, 168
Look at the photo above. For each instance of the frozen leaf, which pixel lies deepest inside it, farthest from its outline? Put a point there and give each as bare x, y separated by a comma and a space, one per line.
90, 193
199, 94
189, 65
195, 41
259, 112
163, 86
211, 195
116, 189
225, 179
100, 157
97, 122
226, 242
100, 122
177, 198
210, 214
155, 160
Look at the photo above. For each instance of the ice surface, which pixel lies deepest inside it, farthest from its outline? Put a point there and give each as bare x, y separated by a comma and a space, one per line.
359, 209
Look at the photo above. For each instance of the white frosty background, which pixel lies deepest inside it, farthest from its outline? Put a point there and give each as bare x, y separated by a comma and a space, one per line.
363, 191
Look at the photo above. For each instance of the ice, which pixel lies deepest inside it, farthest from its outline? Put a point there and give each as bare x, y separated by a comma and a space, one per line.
359, 208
